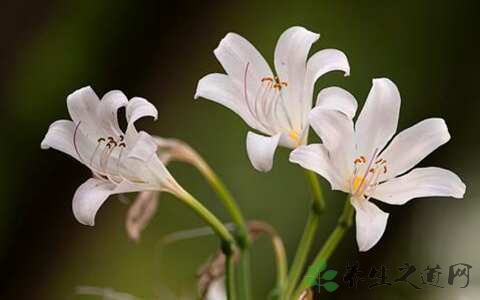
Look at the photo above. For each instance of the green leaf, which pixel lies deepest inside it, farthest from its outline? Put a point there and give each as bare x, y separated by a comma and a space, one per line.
329, 275
322, 265
311, 281
330, 286
312, 271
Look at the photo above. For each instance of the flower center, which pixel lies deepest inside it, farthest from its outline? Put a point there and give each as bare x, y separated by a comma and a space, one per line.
294, 136
99, 159
366, 175
268, 103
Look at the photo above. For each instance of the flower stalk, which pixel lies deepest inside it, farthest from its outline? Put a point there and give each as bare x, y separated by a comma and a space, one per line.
227, 240
181, 151
343, 224
317, 208
241, 231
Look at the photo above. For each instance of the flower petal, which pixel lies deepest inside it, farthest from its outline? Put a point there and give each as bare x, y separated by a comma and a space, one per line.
336, 131
60, 137
261, 149
371, 223
234, 54
291, 55
325, 61
378, 119
138, 108
420, 182
413, 144
220, 88
92, 194
143, 147
318, 64
82, 105
107, 111
336, 98
314, 157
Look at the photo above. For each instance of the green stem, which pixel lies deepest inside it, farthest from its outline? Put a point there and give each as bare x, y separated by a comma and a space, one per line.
317, 208
244, 274
343, 224
241, 231
318, 201
227, 200
228, 242
230, 277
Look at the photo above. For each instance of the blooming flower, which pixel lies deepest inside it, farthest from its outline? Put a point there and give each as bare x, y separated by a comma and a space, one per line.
275, 105
120, 161
356, 159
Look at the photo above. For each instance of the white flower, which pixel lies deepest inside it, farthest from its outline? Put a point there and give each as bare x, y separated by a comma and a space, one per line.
357, 160
120, 161
276, 106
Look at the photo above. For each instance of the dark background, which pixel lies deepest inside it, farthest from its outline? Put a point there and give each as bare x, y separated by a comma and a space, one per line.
159, 51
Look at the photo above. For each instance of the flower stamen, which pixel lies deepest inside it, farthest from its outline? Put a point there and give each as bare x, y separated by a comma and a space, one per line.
360, 185
265, 105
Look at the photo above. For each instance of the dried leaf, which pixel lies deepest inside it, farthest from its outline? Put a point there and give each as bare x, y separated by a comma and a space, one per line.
140, 213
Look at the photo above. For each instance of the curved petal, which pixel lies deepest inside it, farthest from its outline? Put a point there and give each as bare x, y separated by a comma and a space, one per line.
220, 88
413, 144
82, 105
107, 111
90, 196
325, 61
378, 120
336, 98
60, 137
320, 63
371, 223
314, 157
420, 182
336, 131
261, 149
138, 108
291, 55
234, 54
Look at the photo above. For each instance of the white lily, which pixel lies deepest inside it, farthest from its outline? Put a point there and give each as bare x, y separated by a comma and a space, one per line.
120, 161
276, 106
356, 159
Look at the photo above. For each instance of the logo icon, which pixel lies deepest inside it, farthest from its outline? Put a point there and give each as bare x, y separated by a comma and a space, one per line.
315, 277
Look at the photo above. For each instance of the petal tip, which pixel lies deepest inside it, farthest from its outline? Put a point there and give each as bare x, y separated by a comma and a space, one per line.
44, 145
82, 219
261, 150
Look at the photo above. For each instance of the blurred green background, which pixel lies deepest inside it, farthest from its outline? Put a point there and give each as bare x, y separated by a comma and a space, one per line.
159, 50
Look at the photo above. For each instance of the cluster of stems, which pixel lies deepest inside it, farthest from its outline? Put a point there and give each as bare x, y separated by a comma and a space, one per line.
288, 286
